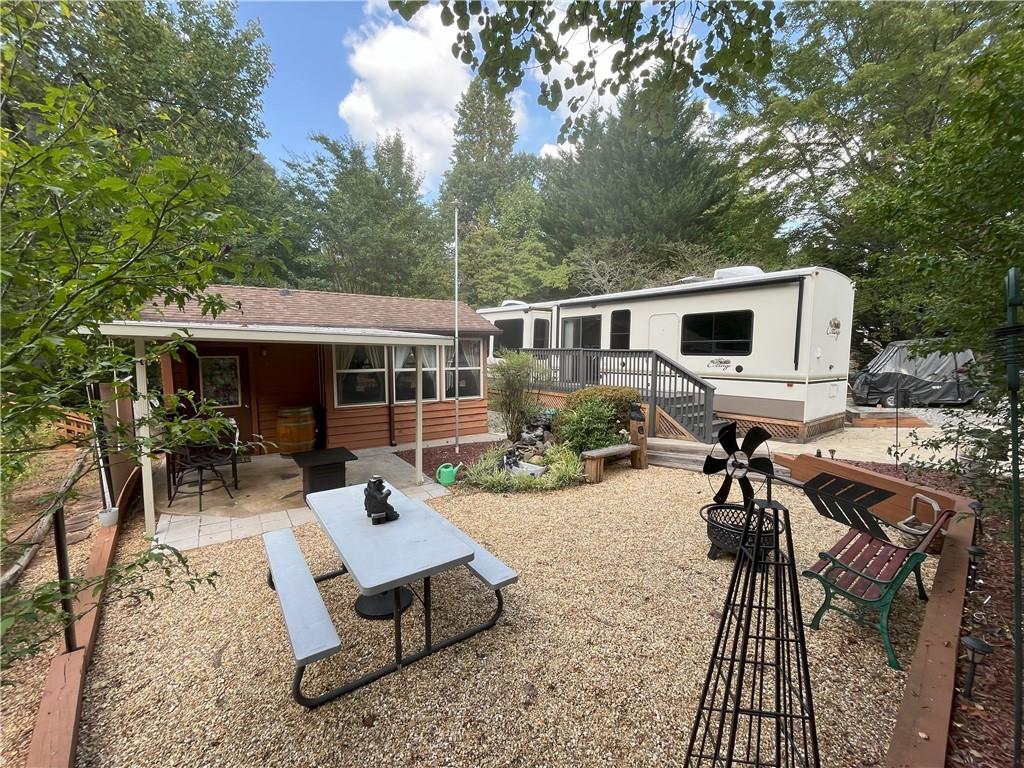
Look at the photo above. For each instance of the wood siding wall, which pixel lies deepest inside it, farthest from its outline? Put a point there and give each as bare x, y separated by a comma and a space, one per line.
303, 374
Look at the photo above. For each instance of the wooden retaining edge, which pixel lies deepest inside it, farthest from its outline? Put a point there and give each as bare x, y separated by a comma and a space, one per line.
55, 733
921, 734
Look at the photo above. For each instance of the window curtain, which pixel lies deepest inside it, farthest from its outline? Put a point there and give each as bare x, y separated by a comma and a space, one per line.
343, 354
375, 356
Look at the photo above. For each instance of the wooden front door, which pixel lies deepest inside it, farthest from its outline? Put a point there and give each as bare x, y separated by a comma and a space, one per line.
223, 378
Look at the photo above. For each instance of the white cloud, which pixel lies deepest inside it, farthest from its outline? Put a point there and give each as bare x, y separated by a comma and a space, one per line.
406, 80
556, 150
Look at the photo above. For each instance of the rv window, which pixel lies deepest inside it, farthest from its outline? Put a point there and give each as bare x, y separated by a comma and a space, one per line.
582, 332
718, 333
620, 329
511, 334
541, 332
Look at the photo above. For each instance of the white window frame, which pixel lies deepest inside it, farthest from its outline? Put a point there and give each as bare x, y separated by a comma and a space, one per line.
438, 376
480, 369
384, 370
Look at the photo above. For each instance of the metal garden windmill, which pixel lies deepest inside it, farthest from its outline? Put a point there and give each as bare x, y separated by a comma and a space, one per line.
756, 707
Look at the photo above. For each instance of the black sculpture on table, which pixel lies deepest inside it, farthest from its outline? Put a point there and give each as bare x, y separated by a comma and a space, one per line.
375, 499
756, 706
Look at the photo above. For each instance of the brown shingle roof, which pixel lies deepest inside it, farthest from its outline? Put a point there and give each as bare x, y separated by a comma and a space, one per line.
274, 306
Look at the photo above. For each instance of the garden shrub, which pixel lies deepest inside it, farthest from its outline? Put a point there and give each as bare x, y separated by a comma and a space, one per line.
591, 424
617, 398
564, 469
513, 396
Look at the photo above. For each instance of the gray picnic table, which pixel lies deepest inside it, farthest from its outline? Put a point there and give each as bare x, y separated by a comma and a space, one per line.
384, 561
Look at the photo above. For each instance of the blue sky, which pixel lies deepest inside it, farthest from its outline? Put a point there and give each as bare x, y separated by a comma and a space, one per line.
357, 69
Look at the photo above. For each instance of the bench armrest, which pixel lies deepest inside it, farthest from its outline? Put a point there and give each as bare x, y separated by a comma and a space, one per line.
834, 562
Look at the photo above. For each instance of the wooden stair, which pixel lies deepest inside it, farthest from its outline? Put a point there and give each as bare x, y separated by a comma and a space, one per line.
685, 454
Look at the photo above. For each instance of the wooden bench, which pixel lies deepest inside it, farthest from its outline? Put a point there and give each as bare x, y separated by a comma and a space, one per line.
593, 461
864, 566
310, 629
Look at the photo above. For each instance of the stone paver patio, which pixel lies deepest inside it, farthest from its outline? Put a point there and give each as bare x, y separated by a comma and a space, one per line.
269, 496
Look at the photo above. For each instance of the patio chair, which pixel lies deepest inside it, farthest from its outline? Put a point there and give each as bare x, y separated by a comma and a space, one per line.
198, 460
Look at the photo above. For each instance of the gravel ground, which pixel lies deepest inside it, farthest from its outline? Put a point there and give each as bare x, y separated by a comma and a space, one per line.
598, 660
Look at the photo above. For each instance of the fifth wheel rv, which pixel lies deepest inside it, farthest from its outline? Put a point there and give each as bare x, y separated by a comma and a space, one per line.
769, 348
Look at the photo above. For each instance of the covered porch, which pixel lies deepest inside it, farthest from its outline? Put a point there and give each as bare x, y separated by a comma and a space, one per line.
269, 485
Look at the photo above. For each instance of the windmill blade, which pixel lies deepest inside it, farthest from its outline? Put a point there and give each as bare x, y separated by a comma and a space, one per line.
723, 493
754, 439
747, 489
763, 465
727, 438
713, 465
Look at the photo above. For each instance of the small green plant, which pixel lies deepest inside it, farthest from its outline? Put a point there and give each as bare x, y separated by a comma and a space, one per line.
617, 398
591, 424
564, 469
513, 391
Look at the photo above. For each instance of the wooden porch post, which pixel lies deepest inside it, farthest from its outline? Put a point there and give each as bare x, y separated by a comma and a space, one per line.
419, 414
141, 418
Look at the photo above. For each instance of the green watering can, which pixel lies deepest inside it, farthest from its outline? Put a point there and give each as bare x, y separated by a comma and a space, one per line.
445, 474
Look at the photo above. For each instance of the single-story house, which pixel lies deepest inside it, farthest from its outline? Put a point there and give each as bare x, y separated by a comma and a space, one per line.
350, 357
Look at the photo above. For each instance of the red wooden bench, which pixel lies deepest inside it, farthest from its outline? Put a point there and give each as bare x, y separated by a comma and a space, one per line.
864, 566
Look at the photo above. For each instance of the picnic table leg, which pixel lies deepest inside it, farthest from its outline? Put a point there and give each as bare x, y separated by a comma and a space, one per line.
310, 702
426, 614
398, 626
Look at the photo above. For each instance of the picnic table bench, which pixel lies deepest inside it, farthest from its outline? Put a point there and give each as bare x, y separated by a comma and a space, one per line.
593, 460
424, 546
865, 567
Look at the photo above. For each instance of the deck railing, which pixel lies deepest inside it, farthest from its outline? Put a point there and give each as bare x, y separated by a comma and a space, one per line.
663, 383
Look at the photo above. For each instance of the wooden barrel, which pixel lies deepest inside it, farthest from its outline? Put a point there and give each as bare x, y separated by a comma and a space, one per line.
296, 430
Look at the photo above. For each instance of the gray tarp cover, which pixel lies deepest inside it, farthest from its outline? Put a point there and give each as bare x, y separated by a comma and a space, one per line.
925, 380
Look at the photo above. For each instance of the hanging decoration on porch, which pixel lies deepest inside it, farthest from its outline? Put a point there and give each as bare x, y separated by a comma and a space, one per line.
756, 706
375, 500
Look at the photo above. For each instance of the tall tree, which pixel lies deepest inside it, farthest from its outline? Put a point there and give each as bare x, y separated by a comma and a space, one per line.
483, 164
853, 87
623, 181
507, 256
956, 209
370, 232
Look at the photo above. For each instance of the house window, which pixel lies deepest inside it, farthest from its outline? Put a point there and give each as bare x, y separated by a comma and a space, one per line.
405, 373
469, 370
541, 332
620, 329
718, 333
360, 377
219, 381
511, 333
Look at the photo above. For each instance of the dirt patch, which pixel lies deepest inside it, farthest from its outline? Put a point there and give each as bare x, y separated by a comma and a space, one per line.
445, 454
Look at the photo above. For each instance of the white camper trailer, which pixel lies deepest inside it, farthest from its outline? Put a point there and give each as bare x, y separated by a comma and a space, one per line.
774, 346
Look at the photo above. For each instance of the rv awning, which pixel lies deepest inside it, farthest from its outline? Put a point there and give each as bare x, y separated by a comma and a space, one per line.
302, 334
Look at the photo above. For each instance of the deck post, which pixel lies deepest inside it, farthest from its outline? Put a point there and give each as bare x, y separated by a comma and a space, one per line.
142, 426
652, 397
419, 414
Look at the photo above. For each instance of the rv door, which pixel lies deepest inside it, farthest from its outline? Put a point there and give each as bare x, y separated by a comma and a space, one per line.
663, 334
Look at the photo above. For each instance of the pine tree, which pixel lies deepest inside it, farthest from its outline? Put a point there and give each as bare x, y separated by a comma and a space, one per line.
483, 163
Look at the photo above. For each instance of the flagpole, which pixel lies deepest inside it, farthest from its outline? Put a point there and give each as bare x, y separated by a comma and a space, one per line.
456, 355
